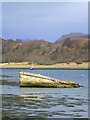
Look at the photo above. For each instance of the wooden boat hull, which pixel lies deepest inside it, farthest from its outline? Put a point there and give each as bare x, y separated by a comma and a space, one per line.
32, 80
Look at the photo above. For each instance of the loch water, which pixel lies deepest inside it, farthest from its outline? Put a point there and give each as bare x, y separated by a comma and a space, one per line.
23, 102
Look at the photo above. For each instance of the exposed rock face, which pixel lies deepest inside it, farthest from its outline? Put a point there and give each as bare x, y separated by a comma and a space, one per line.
43, 52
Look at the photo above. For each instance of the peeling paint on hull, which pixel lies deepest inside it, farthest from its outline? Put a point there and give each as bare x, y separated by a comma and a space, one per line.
37, 80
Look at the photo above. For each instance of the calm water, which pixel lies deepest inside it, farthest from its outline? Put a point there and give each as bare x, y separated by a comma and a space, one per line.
44, 102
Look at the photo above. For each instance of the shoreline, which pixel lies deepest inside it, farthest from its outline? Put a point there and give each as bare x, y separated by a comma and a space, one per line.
65, 66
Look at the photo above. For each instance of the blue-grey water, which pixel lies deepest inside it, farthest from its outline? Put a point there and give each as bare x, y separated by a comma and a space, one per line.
44, 102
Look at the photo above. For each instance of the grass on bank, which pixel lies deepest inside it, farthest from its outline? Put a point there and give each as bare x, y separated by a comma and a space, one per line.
84, 65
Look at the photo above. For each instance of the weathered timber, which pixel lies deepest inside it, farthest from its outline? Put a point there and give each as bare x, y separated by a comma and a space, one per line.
37, 80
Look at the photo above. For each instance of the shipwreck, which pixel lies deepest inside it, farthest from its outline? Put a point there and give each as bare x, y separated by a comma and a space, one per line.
38, 80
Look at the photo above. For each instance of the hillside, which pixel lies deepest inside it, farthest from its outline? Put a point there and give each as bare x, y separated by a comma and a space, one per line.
73, 35
43, 52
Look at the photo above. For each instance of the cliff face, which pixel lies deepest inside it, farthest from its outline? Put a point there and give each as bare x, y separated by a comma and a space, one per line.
43, 52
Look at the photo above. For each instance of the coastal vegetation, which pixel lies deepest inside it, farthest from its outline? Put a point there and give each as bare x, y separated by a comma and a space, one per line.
43, 54
84, 65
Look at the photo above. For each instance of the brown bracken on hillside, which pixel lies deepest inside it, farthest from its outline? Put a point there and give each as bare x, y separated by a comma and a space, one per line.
43, 52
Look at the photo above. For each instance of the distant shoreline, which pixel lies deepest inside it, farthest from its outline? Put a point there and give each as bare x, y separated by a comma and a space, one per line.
25, 65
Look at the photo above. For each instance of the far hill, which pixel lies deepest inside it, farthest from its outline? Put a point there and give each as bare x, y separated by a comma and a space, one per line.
43, 52
73, 35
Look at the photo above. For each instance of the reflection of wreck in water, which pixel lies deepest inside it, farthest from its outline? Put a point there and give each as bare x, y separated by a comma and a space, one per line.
38, 80
36, 96
33, 97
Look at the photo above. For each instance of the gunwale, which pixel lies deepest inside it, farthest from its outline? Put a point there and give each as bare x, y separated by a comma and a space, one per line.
36, 76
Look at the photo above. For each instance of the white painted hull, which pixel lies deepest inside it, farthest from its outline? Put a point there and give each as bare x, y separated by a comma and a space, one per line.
37, 80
